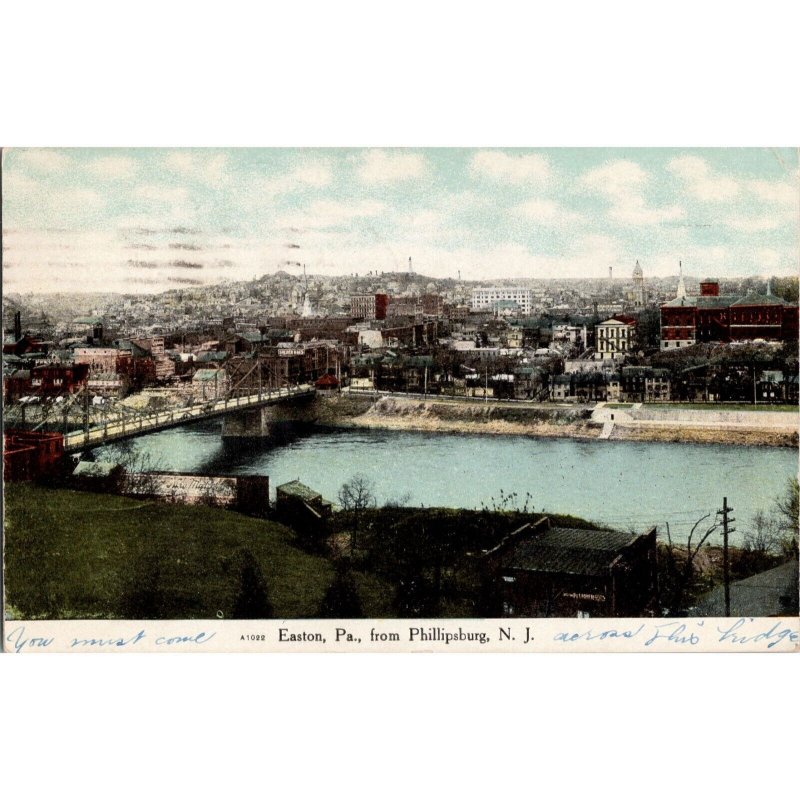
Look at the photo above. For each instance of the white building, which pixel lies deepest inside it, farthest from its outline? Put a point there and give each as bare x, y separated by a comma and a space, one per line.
613, 338
495, 297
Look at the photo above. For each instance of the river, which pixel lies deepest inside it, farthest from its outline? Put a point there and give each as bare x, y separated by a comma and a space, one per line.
618, 483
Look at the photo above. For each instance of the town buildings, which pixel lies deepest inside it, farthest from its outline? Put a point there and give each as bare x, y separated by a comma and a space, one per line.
496, 298
714, 317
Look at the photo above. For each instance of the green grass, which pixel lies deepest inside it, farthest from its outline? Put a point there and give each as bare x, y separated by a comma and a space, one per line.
72, 555
724, 407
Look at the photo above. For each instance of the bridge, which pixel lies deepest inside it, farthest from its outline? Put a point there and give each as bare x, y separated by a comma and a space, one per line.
100, 428
172, 418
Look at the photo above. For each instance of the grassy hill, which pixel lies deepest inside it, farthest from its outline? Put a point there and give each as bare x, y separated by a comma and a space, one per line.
72, 555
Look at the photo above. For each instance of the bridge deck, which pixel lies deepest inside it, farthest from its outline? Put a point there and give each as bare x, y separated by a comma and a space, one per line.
160, 420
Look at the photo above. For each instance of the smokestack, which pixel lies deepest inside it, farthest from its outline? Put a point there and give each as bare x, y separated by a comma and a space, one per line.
410, 268
611, 274
17, 325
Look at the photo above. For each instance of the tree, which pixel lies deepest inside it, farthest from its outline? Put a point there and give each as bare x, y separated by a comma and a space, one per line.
341, 601
252, 600
788, 518
144, 596
680, 576
760, 544
356, 496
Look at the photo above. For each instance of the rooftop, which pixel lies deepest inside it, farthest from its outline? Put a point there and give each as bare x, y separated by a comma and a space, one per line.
767, 594
297, 489
574, 551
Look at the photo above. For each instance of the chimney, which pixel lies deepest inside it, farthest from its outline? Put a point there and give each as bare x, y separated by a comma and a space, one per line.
709, 288
17, 325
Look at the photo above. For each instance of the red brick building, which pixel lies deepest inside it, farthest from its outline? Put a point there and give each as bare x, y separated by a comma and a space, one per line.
47, 380
28, 455
712, 317
369, 306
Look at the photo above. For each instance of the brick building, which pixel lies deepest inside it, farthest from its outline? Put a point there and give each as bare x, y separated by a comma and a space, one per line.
31, 454
712, 317
369, 306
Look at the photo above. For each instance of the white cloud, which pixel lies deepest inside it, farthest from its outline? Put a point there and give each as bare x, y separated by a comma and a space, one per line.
156, 193
533, 169
700, 182
424, 220
547, 213
622, 183
779, 192
199, 165
44, 160
616, 180
330, 214
17, 184
754, 224
390, 166
309, 175
633, 211
112, 167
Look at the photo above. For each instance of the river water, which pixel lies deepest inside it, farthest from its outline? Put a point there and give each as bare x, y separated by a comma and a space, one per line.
617, 483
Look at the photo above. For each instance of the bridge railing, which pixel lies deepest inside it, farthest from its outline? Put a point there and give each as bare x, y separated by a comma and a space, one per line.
158, 419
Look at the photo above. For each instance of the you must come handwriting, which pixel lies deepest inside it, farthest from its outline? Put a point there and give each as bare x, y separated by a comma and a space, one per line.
19, 641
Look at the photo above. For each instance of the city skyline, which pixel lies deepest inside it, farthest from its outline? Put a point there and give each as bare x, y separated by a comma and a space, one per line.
132, 221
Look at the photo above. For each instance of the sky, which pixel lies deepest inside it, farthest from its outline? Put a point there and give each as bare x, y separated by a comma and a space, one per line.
147, 220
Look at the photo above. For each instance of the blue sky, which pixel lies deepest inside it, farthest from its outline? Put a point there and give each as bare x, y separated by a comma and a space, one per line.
148, 220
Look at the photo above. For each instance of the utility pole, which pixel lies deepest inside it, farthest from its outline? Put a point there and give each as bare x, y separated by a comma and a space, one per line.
726, 570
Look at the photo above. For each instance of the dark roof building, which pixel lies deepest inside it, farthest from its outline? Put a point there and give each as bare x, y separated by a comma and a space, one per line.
544, 571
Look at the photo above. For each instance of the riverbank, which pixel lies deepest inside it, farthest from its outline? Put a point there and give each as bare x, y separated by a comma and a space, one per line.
439, 415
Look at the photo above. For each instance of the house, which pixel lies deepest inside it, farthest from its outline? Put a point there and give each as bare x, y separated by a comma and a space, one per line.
614, 337
327, 384
57, 379
544, 571
590, 386
768, 594
561, 387
303, 509
639, 385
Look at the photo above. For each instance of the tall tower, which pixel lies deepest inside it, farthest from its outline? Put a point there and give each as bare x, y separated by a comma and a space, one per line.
681, 291
638, 286
410, 268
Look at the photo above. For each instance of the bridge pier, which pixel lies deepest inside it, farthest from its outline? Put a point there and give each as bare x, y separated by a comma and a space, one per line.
261, 422
252, 424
